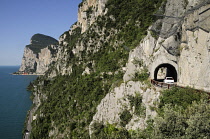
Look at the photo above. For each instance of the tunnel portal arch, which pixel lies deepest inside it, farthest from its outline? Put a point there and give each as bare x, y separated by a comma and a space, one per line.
170, 71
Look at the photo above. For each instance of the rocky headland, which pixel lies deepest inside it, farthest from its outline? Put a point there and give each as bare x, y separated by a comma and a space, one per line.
38, 55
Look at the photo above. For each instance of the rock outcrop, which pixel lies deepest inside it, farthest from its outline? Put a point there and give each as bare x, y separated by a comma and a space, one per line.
89, 10
39, 54
117, 101
194, 60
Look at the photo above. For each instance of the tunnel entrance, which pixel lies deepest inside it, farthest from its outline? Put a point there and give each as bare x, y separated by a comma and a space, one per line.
165, 70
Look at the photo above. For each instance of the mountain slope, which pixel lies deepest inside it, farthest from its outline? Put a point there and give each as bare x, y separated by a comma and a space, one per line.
99, 87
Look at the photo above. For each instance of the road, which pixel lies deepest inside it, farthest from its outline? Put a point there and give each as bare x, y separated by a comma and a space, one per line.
28, 126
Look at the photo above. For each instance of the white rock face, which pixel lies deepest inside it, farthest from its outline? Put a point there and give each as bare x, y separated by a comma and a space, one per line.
46, 57
28, 60
194, 60
110, 108
89, 11
39, 54
38, 63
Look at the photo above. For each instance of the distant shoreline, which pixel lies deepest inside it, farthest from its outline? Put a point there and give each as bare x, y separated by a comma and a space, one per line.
26, 74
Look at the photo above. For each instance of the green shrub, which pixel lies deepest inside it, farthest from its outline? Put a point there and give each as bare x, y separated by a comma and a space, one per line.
89, 11
182, 113
192, 122
180, 96
136, 101
109, 131
141, 76
125, 117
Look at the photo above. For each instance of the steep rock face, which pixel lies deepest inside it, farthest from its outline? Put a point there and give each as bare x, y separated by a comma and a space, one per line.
28, 61
46, 57
39, 54
117, 101
161, 43
194, 59
88, 12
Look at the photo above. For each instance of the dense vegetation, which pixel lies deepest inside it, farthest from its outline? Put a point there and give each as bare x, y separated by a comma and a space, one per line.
132, 18
183, 113
70, 104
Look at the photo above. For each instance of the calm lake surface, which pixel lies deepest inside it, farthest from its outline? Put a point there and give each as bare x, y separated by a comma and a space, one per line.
14, 102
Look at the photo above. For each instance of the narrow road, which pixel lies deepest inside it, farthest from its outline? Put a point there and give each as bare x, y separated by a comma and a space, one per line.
28, 126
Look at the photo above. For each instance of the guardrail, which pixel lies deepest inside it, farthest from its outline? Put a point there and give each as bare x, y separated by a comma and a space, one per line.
162, 84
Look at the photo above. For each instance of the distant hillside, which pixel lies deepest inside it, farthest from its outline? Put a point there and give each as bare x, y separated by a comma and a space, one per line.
40, 41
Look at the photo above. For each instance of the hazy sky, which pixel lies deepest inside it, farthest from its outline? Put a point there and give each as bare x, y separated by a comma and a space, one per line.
21, 19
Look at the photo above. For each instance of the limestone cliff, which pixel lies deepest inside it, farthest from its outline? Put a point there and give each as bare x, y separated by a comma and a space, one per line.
88, 12
39, 54
194, 60
103, 60
117, 101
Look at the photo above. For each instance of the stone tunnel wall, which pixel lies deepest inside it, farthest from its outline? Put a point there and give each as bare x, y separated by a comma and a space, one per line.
159, 62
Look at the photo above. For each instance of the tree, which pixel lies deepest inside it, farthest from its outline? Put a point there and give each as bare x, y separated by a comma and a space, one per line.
191, 123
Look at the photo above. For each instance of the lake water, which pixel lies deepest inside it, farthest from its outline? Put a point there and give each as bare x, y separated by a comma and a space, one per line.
14, 102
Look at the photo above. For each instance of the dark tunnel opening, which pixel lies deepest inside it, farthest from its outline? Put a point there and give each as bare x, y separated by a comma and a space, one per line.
166, 70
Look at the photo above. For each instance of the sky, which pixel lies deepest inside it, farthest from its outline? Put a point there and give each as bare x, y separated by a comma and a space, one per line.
21, 19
